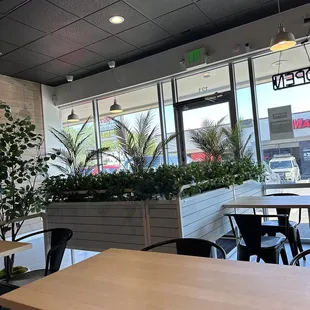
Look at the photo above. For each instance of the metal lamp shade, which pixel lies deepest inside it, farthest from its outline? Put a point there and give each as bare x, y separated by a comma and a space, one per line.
116, 108
73, 117
282, 41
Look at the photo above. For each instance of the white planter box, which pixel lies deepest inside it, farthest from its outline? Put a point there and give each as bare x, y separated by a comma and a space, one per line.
98, 226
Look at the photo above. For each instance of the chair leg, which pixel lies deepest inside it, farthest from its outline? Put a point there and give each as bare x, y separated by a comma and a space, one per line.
243, 254
284, 256
299, 244
271, 257
292, 240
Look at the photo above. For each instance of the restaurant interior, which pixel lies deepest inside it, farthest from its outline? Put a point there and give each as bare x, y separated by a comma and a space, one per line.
154, 154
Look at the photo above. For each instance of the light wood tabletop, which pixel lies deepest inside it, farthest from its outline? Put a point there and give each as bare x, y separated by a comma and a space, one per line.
133, 280
8, 248
270, 202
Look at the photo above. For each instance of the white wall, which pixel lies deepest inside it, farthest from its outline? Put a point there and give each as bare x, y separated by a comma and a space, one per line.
51, 118
167, 63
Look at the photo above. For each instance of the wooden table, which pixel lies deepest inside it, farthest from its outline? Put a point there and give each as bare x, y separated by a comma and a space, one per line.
8, 248
270, 202
133, 280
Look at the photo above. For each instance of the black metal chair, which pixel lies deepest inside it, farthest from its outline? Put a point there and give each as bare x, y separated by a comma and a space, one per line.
191, 247
272, 227
267, 248
302, 255
59, 239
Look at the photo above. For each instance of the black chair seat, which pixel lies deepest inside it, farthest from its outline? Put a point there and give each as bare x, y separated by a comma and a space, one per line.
276, 223
27, 278
268, 242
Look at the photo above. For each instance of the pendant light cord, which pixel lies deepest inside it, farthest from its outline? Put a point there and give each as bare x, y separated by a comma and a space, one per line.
280, 59
113, 77
280, 13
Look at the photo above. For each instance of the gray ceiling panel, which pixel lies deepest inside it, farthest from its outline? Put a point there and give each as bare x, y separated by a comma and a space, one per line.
217, 9
82, 32
17, 33
54, 38
52, 46
111, 47
7, 5
82, 58
10, 68
144, 34
131, 16
57, 67
156, 8
42, 15
82, 7
24, 56
182, 20
7, 47
35, 75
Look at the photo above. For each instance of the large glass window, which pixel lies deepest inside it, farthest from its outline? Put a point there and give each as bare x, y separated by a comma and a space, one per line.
135, 104
284, 116
85, 112
203, 84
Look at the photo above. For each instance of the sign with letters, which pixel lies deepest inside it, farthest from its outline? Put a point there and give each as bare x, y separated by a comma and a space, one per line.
280, 123
291, 79
195, 58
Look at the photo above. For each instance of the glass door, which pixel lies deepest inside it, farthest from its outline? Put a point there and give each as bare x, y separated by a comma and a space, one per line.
197, 115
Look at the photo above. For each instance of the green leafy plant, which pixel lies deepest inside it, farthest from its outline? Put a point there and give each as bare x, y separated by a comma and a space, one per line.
163, 183
138, 143
74, 157
237, 142
20, 190
210, 139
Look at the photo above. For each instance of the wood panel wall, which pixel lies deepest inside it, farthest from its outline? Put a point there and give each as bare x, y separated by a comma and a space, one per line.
24, 98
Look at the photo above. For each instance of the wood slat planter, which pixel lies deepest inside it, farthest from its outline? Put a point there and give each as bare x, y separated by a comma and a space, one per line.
98, 226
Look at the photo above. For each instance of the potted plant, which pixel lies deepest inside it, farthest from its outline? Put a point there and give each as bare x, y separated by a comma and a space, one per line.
21, 192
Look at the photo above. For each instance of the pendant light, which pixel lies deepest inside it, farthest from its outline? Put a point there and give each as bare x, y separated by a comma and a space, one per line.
115, 107
72, 117
283, 40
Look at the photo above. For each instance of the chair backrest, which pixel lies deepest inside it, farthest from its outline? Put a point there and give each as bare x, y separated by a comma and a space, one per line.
58, 240
286, 211
250, 227
191, 247
301, 255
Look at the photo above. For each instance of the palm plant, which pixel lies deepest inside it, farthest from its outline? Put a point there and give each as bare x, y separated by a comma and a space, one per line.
210, 139
138, 143
236, 142
74, 157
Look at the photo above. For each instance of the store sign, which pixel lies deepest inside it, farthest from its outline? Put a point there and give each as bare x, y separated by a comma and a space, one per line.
291, 79
304, 147
301, 123
195, 58
280, 123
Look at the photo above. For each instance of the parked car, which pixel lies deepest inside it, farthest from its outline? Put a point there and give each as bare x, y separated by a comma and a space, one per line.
286, 167
270, 176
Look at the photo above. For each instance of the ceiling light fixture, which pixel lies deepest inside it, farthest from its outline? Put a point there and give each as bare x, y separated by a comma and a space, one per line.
282, 40
115, 107
72, 117
116, 20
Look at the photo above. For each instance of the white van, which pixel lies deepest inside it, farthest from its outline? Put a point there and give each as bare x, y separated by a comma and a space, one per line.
286, 166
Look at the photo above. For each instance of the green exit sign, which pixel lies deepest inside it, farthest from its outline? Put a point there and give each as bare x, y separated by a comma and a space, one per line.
195, 57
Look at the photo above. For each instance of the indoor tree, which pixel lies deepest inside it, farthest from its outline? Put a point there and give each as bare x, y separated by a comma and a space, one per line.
20, 188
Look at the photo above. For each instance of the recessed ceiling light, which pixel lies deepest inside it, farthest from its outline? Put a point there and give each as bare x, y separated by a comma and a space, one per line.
116, 20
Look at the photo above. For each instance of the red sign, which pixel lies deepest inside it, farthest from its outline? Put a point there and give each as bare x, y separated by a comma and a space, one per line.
301, 123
